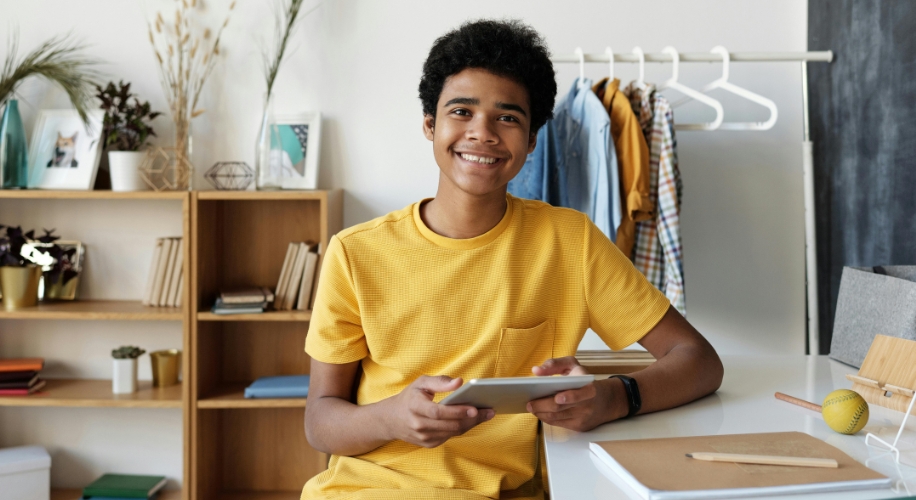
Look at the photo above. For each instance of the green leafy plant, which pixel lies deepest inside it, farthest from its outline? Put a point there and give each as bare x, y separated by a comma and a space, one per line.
127, 352
59, 60
126, 125
14, 239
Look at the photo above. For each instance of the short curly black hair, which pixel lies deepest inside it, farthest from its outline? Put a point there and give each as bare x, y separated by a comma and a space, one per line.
509, 48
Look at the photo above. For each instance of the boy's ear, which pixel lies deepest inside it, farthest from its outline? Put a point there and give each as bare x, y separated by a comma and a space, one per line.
532, 142
429, 126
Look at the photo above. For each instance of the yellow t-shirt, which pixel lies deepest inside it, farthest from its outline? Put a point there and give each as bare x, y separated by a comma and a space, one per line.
409, 302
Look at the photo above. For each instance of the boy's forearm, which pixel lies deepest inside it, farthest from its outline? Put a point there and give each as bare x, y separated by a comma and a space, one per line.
686, 373
339, 427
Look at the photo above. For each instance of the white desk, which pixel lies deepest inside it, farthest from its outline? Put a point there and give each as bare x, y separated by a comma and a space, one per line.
744, 404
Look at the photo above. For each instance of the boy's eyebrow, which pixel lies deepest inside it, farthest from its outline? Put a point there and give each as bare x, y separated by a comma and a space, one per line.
511, 107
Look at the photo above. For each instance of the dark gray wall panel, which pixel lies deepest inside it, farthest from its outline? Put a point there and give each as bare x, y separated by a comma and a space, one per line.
863, 124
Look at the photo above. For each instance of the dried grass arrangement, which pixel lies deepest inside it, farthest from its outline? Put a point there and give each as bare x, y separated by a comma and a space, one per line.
186, 53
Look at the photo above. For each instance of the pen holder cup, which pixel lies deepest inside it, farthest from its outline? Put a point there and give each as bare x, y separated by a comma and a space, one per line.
166, 365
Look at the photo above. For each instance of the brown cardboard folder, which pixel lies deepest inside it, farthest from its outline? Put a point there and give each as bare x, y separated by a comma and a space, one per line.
658, 469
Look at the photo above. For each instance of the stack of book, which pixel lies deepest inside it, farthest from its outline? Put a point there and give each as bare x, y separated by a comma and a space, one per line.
296, 286
20, 376
243, 301
122, 487
285, 386
165, 281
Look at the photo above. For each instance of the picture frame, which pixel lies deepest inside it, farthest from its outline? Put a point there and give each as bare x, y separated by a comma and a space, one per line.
292, 161
64, 153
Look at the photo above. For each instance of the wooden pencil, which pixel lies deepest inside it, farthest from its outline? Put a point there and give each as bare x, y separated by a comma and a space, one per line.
764, 459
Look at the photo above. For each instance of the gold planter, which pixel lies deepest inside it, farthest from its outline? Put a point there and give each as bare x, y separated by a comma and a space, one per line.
19, 286
166, 365
58, 290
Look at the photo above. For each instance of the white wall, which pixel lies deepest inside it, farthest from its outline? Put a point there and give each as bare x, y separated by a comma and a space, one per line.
359, 63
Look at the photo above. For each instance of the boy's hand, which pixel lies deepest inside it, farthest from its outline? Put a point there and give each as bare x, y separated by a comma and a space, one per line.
577, 409
416, 419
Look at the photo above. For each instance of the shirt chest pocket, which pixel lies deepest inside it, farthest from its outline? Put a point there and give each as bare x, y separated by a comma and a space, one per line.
522, 348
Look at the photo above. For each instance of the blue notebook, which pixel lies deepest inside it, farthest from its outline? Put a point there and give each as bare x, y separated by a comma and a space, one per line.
289, 386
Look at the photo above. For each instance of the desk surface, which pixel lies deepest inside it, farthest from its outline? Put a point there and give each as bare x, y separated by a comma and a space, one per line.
744, 404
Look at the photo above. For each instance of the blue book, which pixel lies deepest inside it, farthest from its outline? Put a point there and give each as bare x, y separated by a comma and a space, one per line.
289, 386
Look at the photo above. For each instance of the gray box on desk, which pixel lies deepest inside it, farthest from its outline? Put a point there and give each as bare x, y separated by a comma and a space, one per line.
872, 301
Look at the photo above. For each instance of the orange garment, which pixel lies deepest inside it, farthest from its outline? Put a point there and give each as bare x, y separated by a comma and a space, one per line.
632, 162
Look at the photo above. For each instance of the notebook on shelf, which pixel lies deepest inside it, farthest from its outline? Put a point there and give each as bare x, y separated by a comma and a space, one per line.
124, 486
21, 364
285, 386
23, 391
24, 383
657, 469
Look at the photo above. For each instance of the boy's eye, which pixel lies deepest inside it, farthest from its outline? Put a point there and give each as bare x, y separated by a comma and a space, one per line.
461, 112
508, 118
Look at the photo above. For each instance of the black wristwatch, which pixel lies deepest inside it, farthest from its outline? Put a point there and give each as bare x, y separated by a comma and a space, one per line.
633, 398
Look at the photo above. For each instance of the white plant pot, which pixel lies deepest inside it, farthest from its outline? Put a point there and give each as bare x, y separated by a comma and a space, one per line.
124, 376
125, 170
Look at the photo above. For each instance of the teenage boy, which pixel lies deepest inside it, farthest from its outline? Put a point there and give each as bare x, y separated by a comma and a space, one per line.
476, 283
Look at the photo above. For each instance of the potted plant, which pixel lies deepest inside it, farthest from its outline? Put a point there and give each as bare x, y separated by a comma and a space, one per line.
19, 271
124, 374
125, 130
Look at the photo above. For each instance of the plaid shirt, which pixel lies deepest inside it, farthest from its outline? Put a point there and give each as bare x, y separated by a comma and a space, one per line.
657, 252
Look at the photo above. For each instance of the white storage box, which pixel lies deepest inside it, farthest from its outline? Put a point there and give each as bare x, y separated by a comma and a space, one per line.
25, 473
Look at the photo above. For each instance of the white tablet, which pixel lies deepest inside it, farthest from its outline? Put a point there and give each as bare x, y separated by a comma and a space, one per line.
511, 395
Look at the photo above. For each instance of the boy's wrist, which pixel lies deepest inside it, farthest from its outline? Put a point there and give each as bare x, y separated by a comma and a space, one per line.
617, 404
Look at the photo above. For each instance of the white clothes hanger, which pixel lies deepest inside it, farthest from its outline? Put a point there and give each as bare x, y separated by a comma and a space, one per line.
723, 83
689, 92
581, 55
642, 64
610, 56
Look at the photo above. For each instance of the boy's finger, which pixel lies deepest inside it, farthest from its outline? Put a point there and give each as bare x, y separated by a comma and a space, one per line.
576, 396
556, 366
440, 383
437, 411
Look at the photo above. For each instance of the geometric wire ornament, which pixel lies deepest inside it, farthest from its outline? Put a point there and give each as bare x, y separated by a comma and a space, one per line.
166, 169
230, 175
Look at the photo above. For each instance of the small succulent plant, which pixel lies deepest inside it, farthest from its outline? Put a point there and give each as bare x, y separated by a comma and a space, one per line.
127, 352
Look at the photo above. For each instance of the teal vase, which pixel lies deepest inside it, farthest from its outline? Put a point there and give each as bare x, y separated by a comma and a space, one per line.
14, 156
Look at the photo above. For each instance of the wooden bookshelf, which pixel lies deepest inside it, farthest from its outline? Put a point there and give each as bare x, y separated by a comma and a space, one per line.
88, 393
250, 449
115, 310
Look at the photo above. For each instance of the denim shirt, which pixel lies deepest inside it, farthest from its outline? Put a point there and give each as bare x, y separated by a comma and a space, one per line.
574, 164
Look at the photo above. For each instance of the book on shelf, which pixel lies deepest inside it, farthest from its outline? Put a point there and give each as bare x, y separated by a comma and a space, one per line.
219, 307
161, 271
247, 295
657, 469
284, 386
308, 278
176, 300
282, 283
153, 270
162, 299
23, 392
155, 496
321, 250
21, 364
295, 279
177, 267
25, 383
124, 486
17, 376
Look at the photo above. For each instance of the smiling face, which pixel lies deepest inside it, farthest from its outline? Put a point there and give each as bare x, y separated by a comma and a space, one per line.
481, 132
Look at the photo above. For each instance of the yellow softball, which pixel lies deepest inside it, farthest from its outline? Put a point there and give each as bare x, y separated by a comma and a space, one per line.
845, 411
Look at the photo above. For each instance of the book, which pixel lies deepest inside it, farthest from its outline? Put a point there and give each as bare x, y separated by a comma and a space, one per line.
21, 384
154, 497
246, 295
308, 277
657, 469
21, 364
167, 276
17, 376
23, 392
125, 486
220, 303
164, 256
178, 295
153, 269
177, 269
253, 308
321, 250
286, 386
292, 290
284, 275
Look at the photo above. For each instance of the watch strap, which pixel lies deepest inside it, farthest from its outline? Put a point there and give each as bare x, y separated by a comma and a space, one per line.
634, 401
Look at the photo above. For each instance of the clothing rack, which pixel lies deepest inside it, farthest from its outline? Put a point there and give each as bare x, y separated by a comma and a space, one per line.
637, 56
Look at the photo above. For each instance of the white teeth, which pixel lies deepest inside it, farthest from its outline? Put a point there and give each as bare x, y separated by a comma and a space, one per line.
478, 159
